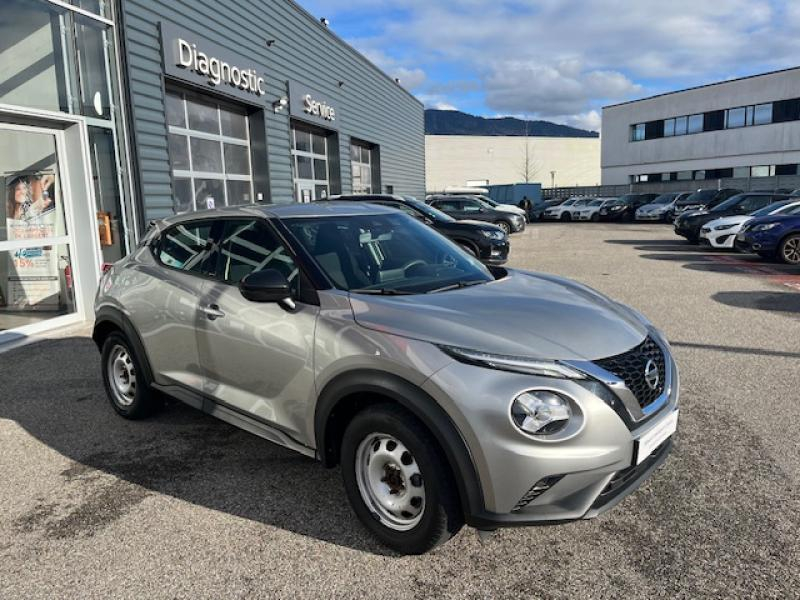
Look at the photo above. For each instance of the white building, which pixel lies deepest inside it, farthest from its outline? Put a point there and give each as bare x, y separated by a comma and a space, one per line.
459, 160
742, 128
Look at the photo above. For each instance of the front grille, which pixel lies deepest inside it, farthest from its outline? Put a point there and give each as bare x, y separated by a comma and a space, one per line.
630, 367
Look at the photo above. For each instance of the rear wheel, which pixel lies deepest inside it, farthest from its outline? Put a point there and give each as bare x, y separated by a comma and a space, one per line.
566, 216
789, 251
595, 217
397, 481
126, 382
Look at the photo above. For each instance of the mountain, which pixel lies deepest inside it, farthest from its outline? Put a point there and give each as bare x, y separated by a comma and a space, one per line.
453, 122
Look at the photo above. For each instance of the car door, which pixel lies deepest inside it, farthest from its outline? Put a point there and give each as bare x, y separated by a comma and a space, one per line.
257, 357
166, 313
472, 209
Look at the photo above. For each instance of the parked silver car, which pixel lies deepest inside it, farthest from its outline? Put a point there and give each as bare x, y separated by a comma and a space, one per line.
449, 392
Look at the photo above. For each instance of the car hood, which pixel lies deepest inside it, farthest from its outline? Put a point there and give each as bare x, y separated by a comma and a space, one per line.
791, 220
469, 225
730, 221
522, 314
509, 208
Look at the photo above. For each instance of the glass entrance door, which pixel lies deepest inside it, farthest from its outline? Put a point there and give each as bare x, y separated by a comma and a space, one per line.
36, 271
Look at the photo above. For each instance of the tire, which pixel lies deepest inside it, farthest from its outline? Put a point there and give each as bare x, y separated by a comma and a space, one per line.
595, 218
426, 510
566, 216
504, 226
669, 217
126, 382
789, 250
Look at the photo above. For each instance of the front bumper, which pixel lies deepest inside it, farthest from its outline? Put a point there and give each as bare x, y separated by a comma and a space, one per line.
509, 464
495, 253
650, 216
757, 243
722, 239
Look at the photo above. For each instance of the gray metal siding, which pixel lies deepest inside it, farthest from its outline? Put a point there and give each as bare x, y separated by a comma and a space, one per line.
373, 107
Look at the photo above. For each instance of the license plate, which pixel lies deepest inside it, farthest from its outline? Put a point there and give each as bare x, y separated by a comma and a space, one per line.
655, 437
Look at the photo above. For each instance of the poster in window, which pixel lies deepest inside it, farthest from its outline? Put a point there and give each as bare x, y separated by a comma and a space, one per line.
32, 213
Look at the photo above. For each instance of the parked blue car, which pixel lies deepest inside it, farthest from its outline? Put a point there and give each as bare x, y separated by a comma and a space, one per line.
776, 236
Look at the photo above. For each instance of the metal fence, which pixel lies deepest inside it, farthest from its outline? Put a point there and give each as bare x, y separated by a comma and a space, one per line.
749, 184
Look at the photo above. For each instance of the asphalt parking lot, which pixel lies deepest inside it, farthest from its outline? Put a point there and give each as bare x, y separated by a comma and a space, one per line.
185, 506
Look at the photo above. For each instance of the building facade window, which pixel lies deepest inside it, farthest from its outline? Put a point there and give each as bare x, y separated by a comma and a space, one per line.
209, 149
311, 163
719, 173
362, 162
732, 118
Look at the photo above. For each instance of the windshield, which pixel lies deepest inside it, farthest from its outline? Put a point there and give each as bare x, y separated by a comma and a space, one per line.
664, 199
596, 203
385, 254
775, 207
700, 197
729, 203
429, 211
791, 210
486, 200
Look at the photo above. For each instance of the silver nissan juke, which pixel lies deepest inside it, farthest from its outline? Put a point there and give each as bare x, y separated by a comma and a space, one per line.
448, 392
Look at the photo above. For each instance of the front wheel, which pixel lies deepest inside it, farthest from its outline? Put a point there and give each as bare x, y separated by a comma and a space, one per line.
397, 481
595, 217
504, 226
789, 251
566, 217
469, 250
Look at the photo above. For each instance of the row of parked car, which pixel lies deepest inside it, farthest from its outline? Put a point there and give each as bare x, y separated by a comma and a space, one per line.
763, 223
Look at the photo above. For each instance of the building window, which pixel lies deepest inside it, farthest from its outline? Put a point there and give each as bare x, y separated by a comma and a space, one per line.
669, 127
741, 172
209, 148
695, 124
637, 132
310, 161
680, 126
735, 117
362, 162
762, 171
762, 114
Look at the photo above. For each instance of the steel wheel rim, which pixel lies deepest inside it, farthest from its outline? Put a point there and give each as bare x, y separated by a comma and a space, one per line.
390, 481
504, 226
791, 250
122, 375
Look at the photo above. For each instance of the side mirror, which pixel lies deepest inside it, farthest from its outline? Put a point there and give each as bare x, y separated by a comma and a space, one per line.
268, 285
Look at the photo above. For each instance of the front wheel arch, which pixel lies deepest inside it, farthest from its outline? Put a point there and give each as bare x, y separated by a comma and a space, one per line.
346, 395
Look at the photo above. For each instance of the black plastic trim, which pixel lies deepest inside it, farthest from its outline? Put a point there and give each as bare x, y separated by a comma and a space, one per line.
114, 316
425, 408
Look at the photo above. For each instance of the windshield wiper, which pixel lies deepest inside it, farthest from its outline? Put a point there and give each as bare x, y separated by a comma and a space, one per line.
456, 286
382, 292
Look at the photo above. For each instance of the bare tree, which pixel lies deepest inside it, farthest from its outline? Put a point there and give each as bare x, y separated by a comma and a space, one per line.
530, 166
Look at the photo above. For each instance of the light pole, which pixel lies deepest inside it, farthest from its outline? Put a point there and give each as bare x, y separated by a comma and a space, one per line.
552, 179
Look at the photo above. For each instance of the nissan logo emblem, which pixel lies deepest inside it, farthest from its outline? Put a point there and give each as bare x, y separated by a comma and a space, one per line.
651, 375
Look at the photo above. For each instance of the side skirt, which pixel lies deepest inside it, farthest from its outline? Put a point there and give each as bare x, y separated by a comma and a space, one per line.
235, 418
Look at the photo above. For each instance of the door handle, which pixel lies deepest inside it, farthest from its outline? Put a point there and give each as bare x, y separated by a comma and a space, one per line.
213, 312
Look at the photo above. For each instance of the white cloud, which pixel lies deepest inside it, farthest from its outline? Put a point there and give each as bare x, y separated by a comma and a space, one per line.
566, 58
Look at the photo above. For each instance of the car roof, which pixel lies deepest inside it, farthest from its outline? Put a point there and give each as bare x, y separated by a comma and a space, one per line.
283, 211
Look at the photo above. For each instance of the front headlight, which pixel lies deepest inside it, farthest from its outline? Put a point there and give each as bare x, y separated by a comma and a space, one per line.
765, 227
493, 235
541, 412
514, 364
721, 227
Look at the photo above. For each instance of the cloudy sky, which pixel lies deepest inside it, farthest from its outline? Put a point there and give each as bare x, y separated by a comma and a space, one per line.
562, 60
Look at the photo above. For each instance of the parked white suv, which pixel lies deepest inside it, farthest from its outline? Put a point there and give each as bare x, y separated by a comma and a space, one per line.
563, 212
591, 212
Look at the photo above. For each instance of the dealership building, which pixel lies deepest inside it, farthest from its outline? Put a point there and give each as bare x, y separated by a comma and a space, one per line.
742, 131
115, 113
